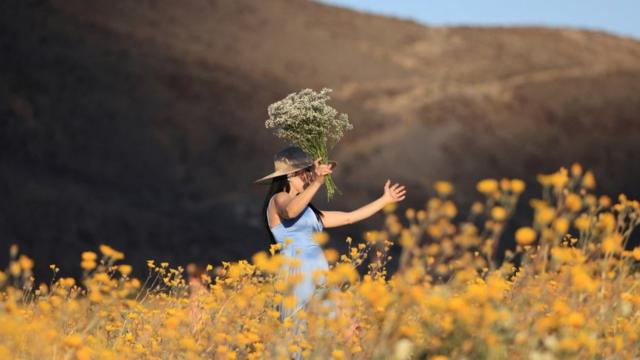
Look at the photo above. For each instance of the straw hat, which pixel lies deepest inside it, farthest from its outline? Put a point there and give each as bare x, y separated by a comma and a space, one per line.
289, 160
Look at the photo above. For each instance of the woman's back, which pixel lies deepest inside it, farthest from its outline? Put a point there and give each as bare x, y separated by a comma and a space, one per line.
299, 229
302, 246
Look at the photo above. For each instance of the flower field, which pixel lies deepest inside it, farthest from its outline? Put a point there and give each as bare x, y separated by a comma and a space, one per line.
567, 289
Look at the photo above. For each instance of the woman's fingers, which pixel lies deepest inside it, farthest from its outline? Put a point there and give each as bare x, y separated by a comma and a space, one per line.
323, 170
399, 193
396, 190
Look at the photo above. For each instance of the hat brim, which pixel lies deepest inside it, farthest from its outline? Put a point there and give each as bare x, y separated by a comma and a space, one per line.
266, 179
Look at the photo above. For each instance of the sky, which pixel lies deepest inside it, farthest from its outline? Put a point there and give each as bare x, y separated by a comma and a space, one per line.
619, 17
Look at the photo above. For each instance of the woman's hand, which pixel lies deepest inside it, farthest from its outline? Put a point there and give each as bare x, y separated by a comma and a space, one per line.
320, 171
393, 193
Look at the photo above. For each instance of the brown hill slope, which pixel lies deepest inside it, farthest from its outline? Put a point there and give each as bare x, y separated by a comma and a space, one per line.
141, 124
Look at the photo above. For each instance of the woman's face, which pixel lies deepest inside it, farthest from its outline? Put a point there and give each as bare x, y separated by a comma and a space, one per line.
301, 179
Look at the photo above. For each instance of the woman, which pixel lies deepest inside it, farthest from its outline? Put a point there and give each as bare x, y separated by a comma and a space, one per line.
290, 214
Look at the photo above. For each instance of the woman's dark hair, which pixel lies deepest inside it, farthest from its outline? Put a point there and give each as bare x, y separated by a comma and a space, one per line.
280, 184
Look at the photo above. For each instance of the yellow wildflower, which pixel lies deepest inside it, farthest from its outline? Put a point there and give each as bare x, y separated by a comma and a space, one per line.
84, 353
498, 213
172, 322
390, 207
559, 179
14, 268
588, 180
582, 280
406, 238
612, 243
569, 344
487, 186
561, 225
375, 292
89, 255
95, 296
88, 264
477, 292
477, 207
44, 306
125, 269
525, 236
606, 222
338, 354
573, 202
331, 255
410, 214
289, 302
575, 319
67, 282
544, 215
341, 273
371, 237
604, 201
110, 252
320, 237
25, 262
449, 209
576, 169
517, 186
188, 343
505, 184
443, 188
73, 340
582, 222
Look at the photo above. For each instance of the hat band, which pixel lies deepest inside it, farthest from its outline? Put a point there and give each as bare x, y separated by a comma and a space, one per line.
289, 166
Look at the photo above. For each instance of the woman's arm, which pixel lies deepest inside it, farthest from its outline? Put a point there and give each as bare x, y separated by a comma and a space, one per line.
394, 193
292, 206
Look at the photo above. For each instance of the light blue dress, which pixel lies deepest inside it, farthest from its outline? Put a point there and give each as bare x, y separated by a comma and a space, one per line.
302, 246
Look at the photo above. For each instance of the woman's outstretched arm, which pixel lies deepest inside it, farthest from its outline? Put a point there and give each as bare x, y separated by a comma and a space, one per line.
391, 194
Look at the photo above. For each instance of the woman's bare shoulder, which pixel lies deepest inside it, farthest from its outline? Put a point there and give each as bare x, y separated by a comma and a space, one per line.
280, 202
282, 197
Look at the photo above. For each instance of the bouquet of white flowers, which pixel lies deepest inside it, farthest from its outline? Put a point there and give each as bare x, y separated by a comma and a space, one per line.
305, 120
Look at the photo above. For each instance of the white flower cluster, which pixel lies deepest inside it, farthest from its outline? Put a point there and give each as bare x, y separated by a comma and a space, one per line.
305, 120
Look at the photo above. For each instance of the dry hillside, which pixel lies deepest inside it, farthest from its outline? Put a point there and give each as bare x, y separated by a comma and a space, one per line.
141, 124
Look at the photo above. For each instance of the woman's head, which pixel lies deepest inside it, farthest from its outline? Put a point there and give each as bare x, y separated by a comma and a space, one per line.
299, 180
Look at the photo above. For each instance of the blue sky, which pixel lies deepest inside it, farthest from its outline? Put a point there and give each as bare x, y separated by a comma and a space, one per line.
620, 17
